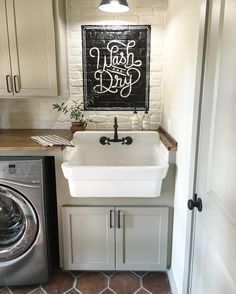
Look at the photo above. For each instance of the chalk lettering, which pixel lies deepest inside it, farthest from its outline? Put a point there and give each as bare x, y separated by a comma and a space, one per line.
117, 70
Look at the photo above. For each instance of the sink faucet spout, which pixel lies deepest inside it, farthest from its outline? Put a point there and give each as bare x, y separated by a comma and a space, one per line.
115, 129
107, 141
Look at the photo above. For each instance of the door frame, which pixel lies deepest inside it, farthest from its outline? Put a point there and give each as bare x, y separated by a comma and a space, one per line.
196, 120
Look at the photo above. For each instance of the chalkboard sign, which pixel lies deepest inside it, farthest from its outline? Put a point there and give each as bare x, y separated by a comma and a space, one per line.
116, 61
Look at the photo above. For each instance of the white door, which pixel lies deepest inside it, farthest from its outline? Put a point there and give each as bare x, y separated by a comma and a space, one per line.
141, 238
214, 254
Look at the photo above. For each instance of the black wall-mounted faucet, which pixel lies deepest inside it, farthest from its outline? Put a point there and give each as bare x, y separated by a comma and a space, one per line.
107, 141
115, 126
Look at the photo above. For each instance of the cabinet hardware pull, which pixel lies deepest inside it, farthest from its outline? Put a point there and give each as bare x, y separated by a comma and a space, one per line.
119, 219
9, 84
16, 84
111, 222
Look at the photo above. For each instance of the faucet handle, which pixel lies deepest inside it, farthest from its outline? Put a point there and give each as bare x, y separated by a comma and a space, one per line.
104, 140
127, 140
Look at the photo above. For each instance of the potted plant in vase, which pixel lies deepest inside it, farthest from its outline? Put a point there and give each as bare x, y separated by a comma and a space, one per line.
76, 111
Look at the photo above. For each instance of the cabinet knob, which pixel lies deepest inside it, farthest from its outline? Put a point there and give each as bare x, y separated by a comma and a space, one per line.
195, 202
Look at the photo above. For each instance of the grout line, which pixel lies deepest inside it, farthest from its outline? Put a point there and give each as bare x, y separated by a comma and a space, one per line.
74, 283
74, 286
141, 282
140, 276
43, 290
9, 290
108, 282
102, 291
67, 291
112, 274
112, 290
137, 291
103, 274
135, 274
145, 274
32, 291
146, 290
78, 291
71, 274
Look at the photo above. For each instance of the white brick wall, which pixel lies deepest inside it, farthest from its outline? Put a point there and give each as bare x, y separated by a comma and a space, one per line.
38, 113
142, 12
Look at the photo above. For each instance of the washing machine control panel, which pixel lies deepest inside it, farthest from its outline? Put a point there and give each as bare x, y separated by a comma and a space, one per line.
21, 171
12, 169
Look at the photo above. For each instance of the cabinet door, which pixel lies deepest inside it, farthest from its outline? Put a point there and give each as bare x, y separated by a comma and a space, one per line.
5, 68
32, 47
88, 236
141, 238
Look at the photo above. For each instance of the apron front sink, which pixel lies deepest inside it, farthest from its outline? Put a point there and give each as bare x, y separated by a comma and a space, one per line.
115, 170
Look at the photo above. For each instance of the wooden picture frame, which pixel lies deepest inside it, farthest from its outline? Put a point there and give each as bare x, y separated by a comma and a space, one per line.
116, 64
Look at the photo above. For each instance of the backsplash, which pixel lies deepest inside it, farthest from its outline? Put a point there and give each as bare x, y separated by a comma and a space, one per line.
38, 112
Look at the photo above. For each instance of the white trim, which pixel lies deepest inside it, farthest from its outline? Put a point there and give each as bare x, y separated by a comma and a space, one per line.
194, 143
172, 282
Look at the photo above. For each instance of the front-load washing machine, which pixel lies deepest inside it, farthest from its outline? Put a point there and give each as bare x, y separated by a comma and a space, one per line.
28, 220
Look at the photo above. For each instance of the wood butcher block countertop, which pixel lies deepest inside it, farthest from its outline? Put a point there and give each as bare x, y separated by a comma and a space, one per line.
12, 140
19, 139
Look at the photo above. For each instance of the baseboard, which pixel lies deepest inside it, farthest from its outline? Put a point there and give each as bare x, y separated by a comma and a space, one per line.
172, 282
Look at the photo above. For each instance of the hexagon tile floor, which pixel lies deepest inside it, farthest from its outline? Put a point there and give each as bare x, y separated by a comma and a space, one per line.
77, 282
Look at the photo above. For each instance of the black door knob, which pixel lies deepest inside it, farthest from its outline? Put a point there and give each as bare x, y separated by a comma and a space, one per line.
196, 202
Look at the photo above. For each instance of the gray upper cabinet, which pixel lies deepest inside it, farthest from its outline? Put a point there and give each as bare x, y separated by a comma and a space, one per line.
121, 238
27, 49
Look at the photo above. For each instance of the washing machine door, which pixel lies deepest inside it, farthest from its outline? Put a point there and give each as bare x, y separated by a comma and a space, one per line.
18, 224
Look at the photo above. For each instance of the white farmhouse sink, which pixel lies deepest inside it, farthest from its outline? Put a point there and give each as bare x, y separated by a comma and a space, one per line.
115, 170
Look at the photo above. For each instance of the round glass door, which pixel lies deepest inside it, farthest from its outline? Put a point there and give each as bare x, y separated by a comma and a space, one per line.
18, 224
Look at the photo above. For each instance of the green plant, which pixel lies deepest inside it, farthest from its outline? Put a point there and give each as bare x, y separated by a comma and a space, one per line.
76, 109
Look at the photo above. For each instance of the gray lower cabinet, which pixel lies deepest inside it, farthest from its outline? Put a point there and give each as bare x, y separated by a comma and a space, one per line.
89, 242
121, 238
141, 238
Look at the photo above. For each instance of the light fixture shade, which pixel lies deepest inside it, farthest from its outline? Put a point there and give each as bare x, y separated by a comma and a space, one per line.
114, 6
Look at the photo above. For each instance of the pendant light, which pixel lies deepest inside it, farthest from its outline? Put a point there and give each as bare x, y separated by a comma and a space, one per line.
114, 6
